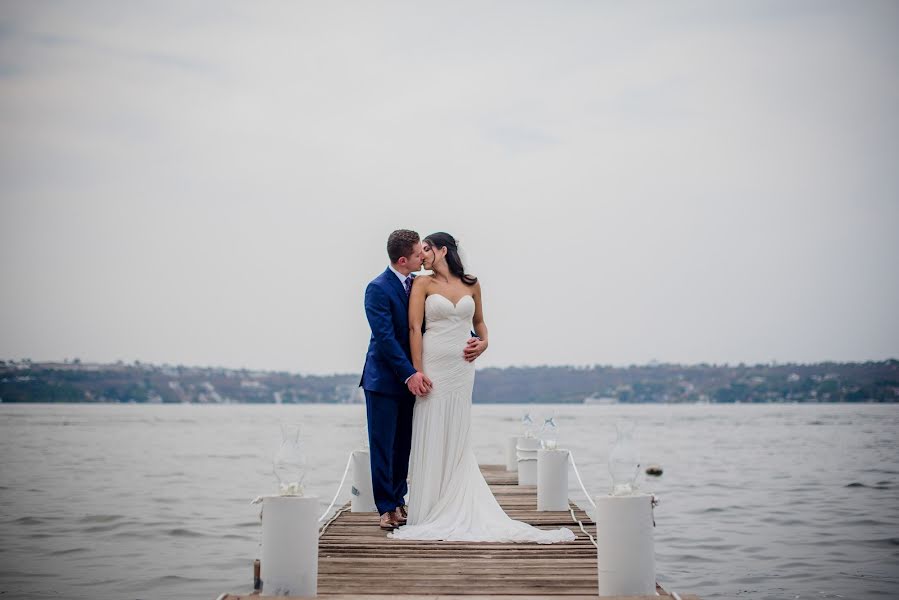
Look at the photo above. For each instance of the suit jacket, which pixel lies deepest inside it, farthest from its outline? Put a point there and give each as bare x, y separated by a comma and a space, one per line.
388, 362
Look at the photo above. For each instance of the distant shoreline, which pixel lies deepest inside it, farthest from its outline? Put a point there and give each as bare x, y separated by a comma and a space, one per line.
269, 404
140, 383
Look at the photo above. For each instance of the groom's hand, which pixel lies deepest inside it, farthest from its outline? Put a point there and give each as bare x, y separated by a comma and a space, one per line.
419, 384
474, 348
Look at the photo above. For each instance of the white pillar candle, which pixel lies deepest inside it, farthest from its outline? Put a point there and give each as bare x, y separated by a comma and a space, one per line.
512, 453
527, 471
552, 479
527, 460
362, 499
625, 555
290, 546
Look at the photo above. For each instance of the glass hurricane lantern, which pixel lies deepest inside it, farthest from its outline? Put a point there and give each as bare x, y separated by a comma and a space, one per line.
289, 463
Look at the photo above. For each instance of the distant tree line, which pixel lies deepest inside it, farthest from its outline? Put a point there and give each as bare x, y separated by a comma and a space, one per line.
822, 382
25, 381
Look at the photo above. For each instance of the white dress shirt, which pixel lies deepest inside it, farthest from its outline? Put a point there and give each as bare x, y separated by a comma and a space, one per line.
400, 275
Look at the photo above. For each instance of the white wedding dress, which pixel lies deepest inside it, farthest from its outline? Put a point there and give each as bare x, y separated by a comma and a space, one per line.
448, 497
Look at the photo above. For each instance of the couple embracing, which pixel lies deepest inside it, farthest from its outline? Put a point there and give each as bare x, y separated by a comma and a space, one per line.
418, 378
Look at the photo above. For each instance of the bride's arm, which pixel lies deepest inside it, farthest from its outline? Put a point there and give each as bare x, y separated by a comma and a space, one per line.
416, 318
477, 346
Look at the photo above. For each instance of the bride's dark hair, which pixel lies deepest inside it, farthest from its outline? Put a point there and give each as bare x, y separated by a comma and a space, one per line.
453, 262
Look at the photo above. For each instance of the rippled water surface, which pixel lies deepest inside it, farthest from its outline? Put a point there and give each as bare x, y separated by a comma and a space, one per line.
133, 501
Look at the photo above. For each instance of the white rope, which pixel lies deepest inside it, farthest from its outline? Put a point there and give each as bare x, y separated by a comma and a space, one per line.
676, 595
581, 525
586, 493
339, 487
333, 518
580, 481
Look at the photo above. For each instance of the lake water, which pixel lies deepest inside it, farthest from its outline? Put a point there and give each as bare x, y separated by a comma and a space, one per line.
135, 501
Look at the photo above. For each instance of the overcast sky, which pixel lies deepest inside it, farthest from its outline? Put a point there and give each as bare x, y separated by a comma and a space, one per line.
213, 183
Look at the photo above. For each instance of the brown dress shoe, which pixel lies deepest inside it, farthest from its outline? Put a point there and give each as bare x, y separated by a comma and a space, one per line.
399, 515
388, 521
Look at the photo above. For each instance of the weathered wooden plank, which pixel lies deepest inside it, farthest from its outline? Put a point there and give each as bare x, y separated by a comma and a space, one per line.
551, 568
468, 551
537, 588
458, 597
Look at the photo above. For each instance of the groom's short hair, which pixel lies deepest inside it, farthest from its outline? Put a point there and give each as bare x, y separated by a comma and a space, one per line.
400, 244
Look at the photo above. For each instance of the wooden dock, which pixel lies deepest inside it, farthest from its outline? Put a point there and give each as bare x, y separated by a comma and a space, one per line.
356, 561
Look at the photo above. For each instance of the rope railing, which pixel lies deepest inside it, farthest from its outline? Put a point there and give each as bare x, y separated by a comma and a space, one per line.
349, 461
586, 493
580, 481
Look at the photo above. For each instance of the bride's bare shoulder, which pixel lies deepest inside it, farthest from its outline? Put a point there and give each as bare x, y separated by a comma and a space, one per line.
421, 281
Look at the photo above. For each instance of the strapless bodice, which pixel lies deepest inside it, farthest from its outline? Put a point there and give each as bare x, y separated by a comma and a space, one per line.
442, 316
447, 329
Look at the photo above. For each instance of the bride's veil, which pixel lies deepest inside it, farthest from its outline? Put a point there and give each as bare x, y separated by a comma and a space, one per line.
463, 256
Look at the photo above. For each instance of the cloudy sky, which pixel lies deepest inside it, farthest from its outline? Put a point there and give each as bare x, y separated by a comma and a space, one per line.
212, 183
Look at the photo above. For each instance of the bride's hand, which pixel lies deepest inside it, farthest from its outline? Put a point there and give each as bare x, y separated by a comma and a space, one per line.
474, 348
419, 384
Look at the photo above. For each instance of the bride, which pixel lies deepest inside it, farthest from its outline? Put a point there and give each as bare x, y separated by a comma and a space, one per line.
448, 497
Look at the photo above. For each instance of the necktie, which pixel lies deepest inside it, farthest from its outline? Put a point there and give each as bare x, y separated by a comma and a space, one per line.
408, 284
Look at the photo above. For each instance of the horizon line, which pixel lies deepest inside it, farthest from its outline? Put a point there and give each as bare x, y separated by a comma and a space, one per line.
650, 364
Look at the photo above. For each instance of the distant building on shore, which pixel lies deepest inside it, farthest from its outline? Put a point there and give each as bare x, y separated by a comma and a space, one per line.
594, 399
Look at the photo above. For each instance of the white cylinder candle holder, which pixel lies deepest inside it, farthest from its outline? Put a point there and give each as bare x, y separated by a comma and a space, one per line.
512, 454
290, 546
552, 480
527, 471
363, 498
526, 451
625, 554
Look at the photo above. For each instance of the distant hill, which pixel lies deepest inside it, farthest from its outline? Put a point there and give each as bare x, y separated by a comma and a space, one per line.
24, 381
823, 382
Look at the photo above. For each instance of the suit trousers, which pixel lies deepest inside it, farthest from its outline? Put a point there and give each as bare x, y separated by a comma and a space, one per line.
389, 441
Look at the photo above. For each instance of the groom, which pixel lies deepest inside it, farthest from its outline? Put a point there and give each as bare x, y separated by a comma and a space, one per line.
389, 380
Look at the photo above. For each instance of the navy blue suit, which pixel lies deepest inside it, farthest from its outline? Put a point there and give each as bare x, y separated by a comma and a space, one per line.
388, 402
